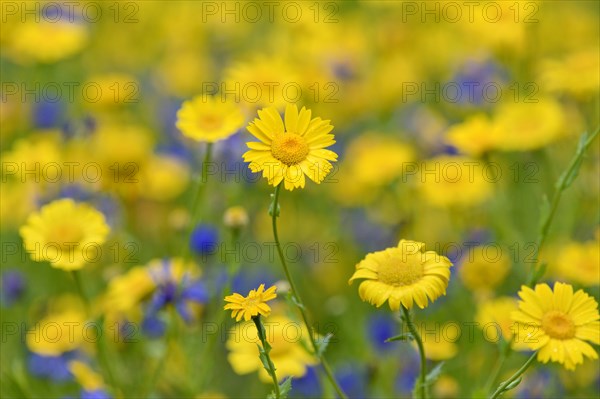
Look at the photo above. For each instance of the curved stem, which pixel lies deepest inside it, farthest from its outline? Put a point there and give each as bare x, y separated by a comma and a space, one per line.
420, 387
266, 348
502, 387
298, 301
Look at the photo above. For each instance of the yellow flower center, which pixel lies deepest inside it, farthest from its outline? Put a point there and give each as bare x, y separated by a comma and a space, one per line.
400, 270
558, 325
209, 122
289, 148
66, 236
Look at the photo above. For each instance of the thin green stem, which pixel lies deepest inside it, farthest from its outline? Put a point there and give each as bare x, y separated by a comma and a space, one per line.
296, 297
102, 351
265, 351
200, 189
420, 387
561, 185
502, 387
504, 355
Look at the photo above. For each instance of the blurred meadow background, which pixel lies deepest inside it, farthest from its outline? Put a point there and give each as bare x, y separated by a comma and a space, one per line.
453, 121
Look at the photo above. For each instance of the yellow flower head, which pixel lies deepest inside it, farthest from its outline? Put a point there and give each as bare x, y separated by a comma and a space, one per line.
579, 263
288, 340
85, 376
401, 275
65, 233
235, 217
59, 332
252, 305
208, 119
473, 136
557, 323
484, 269
288, 152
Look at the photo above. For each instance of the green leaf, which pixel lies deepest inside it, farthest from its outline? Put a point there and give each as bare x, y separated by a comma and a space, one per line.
285, 387
513, 384
402, 337
434, 374
322, 343
262, 355
293, 300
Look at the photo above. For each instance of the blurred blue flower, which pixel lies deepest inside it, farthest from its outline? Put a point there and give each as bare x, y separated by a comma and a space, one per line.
307, 386
381, 326
353, 380
96, 394
153, 326
204, 239
537, 384
478, 82
369, 235
169, 291
408, 374
55, 368
48, 114
13, 287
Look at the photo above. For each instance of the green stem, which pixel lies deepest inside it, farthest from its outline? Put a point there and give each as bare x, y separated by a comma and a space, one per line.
420, 387
200, 189
102, 351
502, 387
266, 349
504, 354
298, 301
561, 185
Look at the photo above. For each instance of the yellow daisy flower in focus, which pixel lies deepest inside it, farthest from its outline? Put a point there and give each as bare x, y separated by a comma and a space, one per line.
288, 339
401, 275
208, 119
65, 233
558, 323
252, 305
288, 152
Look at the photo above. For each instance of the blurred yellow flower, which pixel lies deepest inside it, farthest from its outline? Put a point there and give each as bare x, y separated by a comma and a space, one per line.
111, 89
254, 304
61, 40
484, 268
126, 291
522, 126
287, 153
235, 217
494, 318
401, 275
439, 340
446, 181
473, 136
85, 376
65, 233
288, 340
446, 387
578, 262
557, 323
163, 177
209, 119
57, 333
371, 162
576, 73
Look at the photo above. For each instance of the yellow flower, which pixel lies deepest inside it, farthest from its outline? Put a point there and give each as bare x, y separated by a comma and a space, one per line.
287, 153
252, 305
528, 126
439, 341
235, 217
579, 263
448, 181
557, 323
61, 40
209, 119
288, 340
576, 74
494, 319
65, 233
473, 136
85, 376
164, 177
401, 275
483, 269
57, 333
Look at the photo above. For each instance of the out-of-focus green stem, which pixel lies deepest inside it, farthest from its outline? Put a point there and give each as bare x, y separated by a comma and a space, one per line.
420, 387
296, 297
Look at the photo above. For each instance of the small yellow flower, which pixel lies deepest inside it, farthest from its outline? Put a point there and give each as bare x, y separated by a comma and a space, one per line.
288, 152
65, 233
579, 262
252, 305
484, 269
557, 323
401, 275
208, 119
62, 330
473, 136
235, 217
